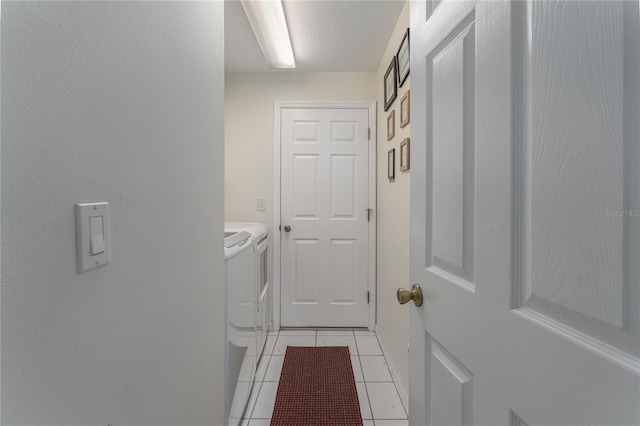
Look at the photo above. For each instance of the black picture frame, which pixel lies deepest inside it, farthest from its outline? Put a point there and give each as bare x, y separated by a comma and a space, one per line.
391, 165
389, 83
403, 59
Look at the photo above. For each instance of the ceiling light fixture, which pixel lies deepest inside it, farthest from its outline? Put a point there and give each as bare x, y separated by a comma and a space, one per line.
270, 27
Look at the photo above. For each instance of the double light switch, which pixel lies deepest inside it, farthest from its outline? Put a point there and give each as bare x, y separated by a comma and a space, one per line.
92, 235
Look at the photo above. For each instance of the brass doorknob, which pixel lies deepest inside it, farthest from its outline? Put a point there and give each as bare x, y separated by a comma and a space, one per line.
415, 294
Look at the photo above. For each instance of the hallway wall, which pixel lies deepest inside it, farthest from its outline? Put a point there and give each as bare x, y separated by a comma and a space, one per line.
393, 219
119, 102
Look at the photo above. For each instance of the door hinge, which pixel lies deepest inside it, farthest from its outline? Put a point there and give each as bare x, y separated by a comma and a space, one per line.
369, 211
368, 295
369, 133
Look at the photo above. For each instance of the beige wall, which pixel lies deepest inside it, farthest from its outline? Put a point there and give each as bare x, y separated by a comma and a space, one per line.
249, 101
118, 102
393, 220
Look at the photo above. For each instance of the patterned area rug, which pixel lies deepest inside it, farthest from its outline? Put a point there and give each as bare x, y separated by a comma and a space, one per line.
317, 387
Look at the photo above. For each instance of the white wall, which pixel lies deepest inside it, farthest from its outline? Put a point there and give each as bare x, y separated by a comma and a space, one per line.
0, 228
393, 219
119, 102
249, 101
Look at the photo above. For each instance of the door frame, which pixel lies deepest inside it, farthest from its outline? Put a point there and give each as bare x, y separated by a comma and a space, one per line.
278, 106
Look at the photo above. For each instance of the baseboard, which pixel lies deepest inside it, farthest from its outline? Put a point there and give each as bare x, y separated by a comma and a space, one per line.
404, 397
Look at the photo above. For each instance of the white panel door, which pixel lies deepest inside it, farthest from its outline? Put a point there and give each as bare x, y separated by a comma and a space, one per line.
324, 201
525, 226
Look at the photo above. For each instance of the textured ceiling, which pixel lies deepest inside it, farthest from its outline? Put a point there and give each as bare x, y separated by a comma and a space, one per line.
327, 35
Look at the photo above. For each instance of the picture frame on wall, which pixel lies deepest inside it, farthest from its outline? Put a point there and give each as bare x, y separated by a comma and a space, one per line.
405, 109
403, 59
391, 125
390, 86
404, 155
391, 165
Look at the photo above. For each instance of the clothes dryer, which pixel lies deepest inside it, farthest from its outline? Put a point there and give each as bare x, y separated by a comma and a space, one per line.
241, 318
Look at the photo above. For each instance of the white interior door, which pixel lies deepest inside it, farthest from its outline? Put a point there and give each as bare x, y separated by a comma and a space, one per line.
524, 213
324, 201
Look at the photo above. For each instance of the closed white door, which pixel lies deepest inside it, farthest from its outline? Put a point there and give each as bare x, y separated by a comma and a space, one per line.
525, 226
324, 201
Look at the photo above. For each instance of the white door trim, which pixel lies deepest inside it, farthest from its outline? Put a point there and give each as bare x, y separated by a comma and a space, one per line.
278, 106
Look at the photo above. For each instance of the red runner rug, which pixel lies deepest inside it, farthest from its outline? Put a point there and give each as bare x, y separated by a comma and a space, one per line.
317, 387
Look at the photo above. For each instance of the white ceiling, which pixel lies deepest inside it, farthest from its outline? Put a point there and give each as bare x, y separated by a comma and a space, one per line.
327, 35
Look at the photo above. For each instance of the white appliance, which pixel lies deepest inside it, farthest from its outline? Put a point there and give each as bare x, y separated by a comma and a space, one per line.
263, 322
247, 310
241, 316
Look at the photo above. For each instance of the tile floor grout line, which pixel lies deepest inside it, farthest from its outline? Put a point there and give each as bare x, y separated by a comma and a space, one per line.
406, 412
364, 380
355, 342
359, 363
392, 381
366, 390
387, 369
252, 408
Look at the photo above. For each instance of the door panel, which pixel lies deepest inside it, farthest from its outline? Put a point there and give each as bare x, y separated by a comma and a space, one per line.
451, 390
344, 263
344, 186
524, 220
450, 78
306, 281
325, 196
571, 171
305, 186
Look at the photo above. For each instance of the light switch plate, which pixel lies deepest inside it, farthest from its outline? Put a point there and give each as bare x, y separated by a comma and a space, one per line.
85, 233
262, 204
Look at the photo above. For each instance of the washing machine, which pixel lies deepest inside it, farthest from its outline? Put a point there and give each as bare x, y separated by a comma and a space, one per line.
263, 288
248, 312
241, 318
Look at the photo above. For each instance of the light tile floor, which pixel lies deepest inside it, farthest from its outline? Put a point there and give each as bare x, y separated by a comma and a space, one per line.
380, 403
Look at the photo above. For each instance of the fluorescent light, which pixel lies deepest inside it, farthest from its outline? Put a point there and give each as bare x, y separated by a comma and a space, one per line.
270, 27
